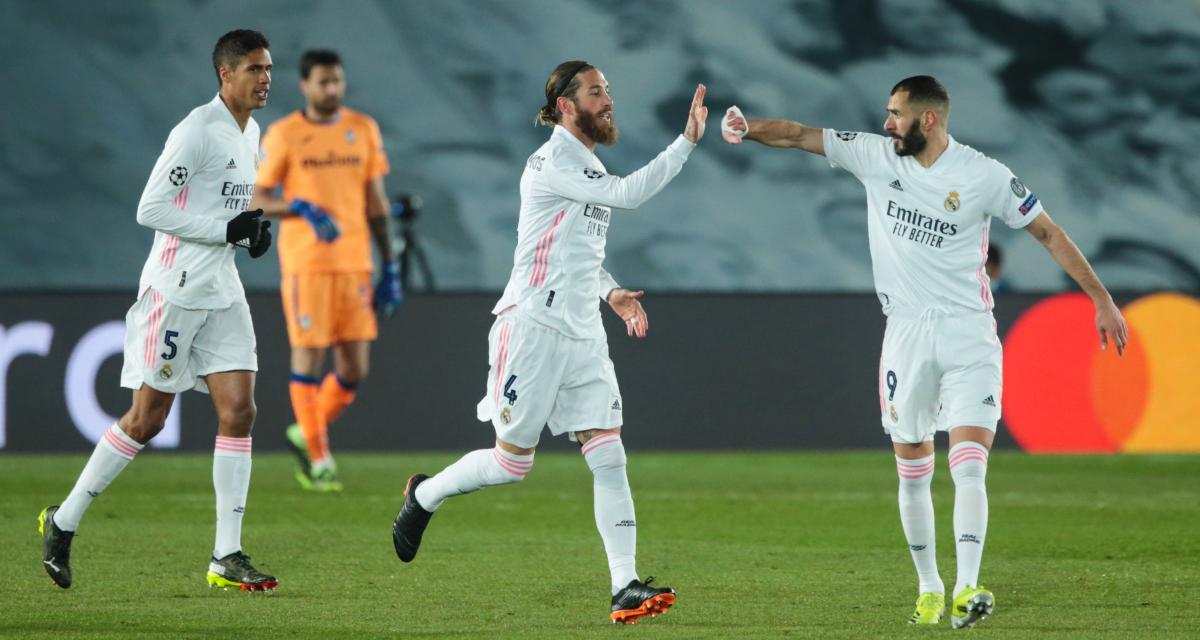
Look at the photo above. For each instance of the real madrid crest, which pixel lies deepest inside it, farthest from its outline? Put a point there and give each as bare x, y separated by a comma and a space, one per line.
893, 414
952, 203
350, 136
505, 415
165, 372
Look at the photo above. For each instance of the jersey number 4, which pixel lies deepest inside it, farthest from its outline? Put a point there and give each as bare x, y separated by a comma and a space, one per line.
510, 392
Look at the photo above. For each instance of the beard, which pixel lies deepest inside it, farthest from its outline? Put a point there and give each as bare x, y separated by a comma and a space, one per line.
912, 142
327, 107
599, 131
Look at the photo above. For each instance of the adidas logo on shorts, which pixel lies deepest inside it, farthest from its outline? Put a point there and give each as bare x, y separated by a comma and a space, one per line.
989, 401
616, 404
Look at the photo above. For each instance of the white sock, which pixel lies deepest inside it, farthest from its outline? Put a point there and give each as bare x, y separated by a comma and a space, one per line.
112, 454
231, 481
605, 456
968, 467
474, 471
916, 516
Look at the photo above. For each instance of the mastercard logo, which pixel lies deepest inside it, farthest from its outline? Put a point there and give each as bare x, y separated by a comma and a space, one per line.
1062, 394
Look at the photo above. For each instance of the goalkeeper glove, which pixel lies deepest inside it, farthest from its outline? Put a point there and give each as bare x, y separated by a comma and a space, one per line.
388, 293
322, 223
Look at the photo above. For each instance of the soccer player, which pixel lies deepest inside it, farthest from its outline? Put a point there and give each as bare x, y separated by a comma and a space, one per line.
547, 348
930, 201
190, 327
330, 163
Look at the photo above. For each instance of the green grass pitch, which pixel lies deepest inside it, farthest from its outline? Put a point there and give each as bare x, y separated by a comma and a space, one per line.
758, 545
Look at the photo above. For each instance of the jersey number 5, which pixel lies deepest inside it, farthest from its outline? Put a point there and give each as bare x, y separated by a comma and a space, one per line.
170, 342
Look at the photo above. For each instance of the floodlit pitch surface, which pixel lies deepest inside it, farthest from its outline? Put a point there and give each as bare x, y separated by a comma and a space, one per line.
758, 545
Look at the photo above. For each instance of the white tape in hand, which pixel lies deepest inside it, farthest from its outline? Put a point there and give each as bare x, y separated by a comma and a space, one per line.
725, 128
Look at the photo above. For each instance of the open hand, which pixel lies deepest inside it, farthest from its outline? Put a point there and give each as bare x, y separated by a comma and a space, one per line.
697, 116
626, 304
1110, 324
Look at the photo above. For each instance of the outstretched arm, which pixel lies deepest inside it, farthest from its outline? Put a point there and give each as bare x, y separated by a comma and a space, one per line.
584, 184
1109, 322
773, 133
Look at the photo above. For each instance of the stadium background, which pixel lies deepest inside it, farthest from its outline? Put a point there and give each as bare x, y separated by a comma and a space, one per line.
755, 260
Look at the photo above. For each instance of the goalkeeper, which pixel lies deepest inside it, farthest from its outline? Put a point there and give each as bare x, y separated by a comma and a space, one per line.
330, 163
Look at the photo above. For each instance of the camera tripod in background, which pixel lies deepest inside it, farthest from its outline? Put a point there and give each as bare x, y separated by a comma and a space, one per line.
406, 208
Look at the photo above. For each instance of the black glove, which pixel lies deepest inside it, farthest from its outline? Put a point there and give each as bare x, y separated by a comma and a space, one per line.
259, 247
244, 226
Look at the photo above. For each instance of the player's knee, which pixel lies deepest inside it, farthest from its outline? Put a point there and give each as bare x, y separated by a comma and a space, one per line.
142, 426
238, 418
352, 376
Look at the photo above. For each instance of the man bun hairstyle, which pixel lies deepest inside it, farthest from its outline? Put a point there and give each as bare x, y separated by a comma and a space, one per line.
925, 91
563, 81
318, 58
234, 46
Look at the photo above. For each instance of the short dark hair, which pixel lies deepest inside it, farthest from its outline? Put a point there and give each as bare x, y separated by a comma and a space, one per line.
234, 46
318, 58
924, 90
563, 81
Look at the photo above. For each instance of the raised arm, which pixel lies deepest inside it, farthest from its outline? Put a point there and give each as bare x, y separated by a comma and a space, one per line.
773, 133
584, 184
1109, 322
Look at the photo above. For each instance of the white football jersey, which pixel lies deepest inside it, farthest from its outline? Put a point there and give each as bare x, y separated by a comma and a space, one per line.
567, 198
204, 177
928, 228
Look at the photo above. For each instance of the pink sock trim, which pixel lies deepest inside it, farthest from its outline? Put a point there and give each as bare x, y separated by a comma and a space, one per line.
968, 451
599, 441
510, 463
116, 439
233, 445
914, 469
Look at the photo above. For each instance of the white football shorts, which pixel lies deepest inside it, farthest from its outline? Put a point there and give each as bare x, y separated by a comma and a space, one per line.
937, 372
539, 377
171, 349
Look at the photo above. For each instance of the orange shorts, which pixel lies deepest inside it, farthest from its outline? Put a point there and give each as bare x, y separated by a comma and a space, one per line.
324, 309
